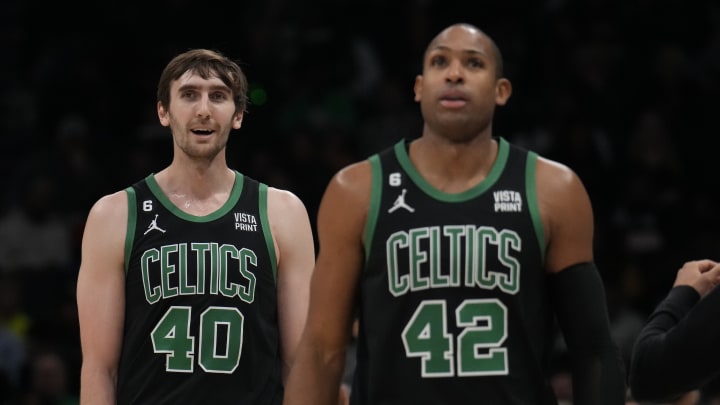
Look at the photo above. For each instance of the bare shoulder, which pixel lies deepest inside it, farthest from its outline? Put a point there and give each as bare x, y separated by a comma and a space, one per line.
291, 231
280, 200
553, 176
566, 214
105, 231
559, 188
352, 182
287, 215
110, 209
345, 205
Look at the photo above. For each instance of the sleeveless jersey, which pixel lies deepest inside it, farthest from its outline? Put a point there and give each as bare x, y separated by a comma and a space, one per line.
453, 302
201, 322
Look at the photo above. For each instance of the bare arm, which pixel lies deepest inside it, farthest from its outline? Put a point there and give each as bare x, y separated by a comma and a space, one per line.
315, 378
101, 298
567, 216
295, 249
576, 288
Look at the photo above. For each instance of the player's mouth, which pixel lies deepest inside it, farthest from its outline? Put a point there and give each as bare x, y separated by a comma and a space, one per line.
453, 99
453, 102
202, 131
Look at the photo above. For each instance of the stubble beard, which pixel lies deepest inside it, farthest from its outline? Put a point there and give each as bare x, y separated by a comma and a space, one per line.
198, 151
202, 152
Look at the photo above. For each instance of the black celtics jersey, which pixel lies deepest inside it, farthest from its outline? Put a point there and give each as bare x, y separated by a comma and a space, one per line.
201, 302
453, 302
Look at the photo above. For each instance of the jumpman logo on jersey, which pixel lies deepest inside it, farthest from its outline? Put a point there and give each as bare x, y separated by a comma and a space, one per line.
154, 225
400, 203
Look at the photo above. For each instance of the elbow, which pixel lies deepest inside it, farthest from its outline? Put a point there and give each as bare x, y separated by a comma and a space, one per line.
645, 386
642, 387
648, 394
639, 391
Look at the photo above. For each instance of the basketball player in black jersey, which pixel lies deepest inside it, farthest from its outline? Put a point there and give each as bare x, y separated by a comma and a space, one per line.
456, 251
194, 281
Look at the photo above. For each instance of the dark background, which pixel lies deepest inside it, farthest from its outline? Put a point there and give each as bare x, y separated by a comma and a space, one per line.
623, 92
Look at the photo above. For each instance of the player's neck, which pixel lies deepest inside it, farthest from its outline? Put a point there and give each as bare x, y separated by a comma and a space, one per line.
196, 184
453, 167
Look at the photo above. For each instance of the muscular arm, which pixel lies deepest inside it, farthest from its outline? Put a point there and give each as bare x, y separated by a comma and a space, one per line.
315, 377
677, 351
296, 257
576, 287
101, 298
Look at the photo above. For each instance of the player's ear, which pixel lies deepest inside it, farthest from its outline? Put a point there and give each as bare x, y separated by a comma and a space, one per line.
417, 88
163, 114
237, 121
503, 90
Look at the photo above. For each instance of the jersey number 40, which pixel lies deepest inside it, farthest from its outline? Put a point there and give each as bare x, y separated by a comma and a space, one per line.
171, 337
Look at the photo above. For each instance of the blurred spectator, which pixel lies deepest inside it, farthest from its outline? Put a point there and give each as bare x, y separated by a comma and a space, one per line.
14, 326
48, 381
33, 236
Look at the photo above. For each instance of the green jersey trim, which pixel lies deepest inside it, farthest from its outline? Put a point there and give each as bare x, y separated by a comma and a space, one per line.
267, 232
533, 206
229, 204
131, 224
375, 195
495, 172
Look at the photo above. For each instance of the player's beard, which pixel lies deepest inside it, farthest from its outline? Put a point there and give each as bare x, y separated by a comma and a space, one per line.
205, 150
195, 150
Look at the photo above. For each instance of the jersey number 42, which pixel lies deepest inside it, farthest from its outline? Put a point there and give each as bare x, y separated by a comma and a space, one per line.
479, 344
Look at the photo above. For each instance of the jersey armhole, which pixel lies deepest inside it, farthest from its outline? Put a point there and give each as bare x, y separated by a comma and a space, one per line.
267, 232
131, 223
374, 208
533, 207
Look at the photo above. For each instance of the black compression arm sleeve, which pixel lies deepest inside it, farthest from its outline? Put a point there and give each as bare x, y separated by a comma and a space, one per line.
677, 350
598, 371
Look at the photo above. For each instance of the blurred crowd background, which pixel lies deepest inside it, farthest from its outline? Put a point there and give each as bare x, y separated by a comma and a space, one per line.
622, 91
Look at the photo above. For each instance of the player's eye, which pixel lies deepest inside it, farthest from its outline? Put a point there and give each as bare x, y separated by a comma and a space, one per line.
438, 60
475, 63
